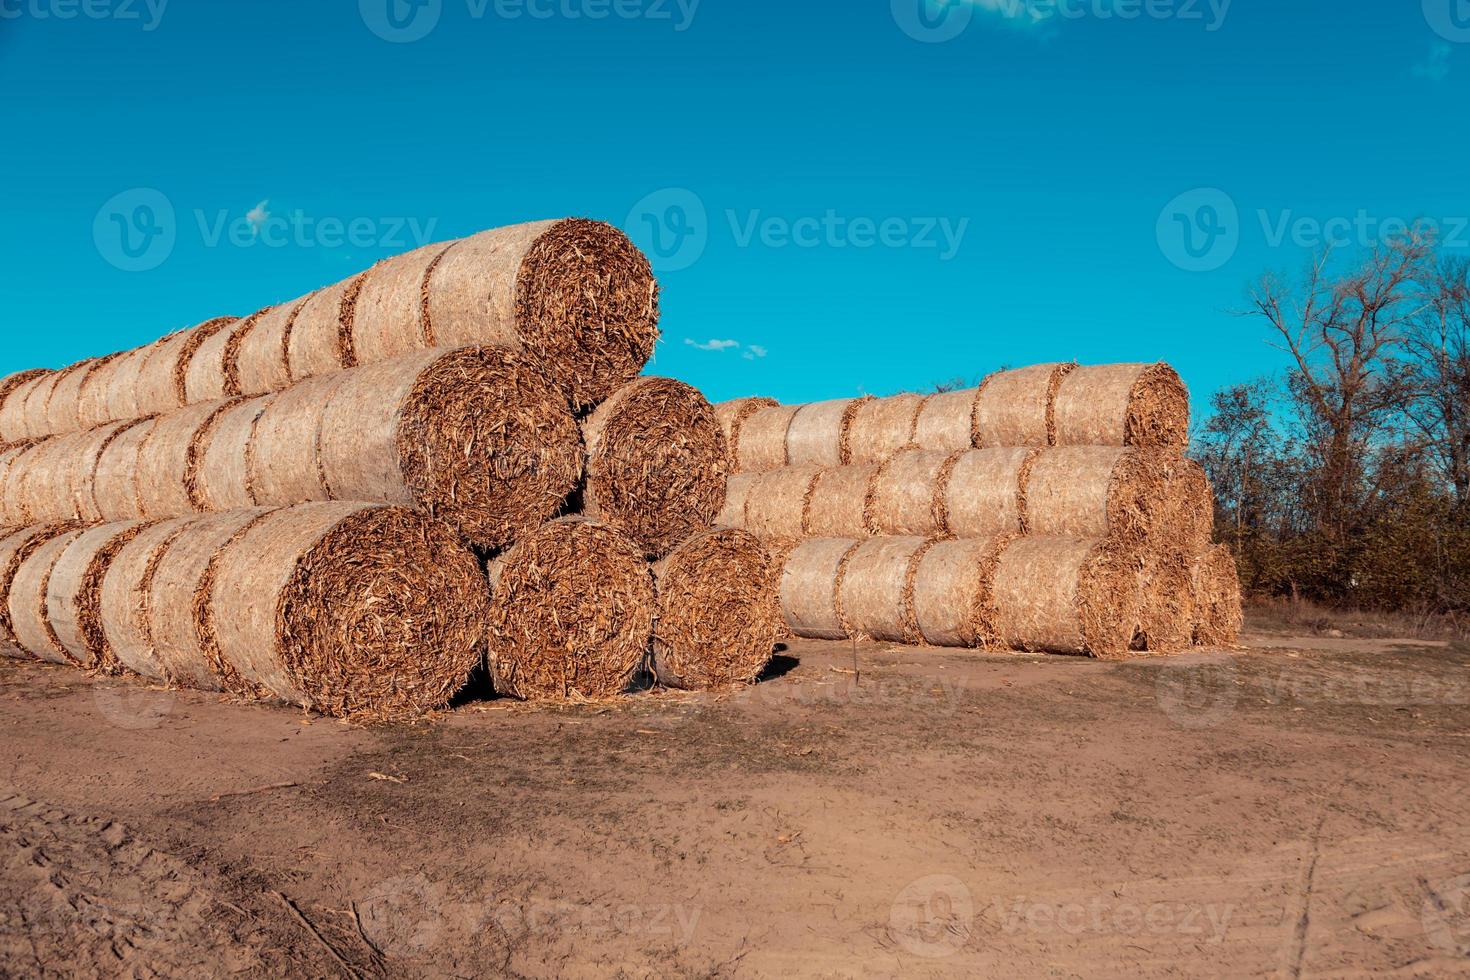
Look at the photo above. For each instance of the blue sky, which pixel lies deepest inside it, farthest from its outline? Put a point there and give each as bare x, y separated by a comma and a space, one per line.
840, 198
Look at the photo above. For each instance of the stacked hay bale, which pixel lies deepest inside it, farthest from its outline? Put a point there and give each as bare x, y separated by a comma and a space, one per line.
1049, 509
344, 460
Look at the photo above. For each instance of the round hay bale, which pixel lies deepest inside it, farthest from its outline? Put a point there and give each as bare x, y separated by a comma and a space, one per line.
120, 398
815, 436
571, 613
92, 407
392, 310
90, 447
838, 503
811, 588
285, 467
1123, 405
356, 611
1166, 624
1015, 408
162, 463
320, 337
256, 356
1067, 595
478, 438
74, 594
64, 409
157, 380
775, 509
881, 427
203, 376
26, 599
874, 593
761, 443
732, 416
737, 491
1191, 506
1215, 592
127, 584
115, 477
1096, 492
174, 585
578, 294
906, 497
983, 495
656, 463
718, 617
15, 548
946, 421
220, 471
35, 410
953, 592
13, 391
13, 471
37, 485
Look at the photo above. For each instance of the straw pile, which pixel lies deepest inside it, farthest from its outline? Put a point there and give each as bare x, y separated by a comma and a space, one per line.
571, 612
717, 618
656, 464
474, 437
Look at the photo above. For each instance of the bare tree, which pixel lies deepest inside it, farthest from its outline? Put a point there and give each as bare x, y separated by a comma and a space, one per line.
1343, 333
1439, 348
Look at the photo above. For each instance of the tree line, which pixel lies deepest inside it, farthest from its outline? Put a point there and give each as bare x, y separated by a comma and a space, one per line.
1345, 479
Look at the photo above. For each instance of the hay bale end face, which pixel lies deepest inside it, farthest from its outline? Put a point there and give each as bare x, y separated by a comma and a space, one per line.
1145, 405
1166, 623
571, 613
656, 463
1215, 580
1067, 595
718, 618
356, 611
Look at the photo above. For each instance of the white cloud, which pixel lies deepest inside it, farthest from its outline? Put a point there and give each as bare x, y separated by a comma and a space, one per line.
1435, 67
714, 345
754, 351
257, 216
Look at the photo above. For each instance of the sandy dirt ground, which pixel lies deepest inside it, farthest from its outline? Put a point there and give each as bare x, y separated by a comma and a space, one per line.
1296, 807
